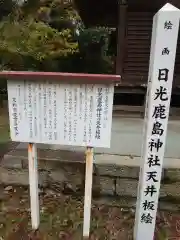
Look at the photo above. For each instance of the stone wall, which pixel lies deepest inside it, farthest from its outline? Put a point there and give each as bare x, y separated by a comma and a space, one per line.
114, 183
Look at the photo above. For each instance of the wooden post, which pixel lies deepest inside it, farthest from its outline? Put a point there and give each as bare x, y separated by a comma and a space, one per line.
122, 12
33, 182
83, 108
161, 69
88, 192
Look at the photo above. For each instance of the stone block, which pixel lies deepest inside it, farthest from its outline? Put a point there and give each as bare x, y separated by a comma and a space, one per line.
11, 162
57, 176
129, 188
171, 190
126, 187
172, 174
20, 177
70, 176
107, 186
129, 202
117, 171
75, 171
46, 165
53, 159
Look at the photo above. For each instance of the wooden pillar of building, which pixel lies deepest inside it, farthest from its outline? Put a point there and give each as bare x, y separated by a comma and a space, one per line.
121, 36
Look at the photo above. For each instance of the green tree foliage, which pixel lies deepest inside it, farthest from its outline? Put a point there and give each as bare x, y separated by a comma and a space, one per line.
41, 35
93, 46
6, 7
30, 44
27, 41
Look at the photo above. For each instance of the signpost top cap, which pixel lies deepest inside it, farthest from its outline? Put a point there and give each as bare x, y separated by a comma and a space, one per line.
61, 77
169, 7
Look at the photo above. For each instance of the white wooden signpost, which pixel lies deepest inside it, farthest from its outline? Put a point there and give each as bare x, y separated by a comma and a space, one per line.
60, 113
76, 109
60, 108
161, 70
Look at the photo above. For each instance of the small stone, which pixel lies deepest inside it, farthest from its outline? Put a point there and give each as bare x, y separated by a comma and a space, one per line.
40, 190
22, 201
43, 209
132, 210
63, 235
8, 188
124, 210
1, 225
49, 192
68, 186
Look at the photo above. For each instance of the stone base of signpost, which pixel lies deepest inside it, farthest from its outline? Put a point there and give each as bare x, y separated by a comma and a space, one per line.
63, 171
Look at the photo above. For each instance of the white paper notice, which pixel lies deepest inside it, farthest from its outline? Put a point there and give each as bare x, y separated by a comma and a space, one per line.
66, 114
